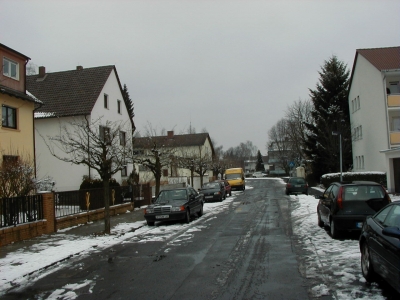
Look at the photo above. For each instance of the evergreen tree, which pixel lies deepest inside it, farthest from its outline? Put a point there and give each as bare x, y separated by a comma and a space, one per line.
129, 105
260, 163
330, 113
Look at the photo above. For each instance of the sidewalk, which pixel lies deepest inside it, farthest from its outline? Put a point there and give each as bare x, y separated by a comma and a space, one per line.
22, 260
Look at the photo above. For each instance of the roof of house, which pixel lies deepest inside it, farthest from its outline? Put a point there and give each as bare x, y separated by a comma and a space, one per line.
382, 58
171, 140
69, 93
20, 95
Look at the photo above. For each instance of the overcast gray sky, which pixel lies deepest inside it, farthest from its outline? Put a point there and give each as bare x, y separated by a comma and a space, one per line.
231, 67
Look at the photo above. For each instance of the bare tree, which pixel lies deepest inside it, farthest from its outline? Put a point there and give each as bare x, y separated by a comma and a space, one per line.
102, 145
296, 116
197, 160
280, 147
155, 155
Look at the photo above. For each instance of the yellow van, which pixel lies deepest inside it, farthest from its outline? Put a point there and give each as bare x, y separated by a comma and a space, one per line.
235, 177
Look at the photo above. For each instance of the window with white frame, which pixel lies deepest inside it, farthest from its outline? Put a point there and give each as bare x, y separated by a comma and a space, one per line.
8, 117
395, 124
362, 161
122, 138
124, 171
105, 101
105, 135
10, 68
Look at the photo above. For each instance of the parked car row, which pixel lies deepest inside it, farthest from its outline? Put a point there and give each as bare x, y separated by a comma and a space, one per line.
180, 204
366, 207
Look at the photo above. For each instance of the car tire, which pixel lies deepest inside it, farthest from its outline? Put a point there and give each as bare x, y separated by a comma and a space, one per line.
187, 217
200, 213
320, 223
150, 223
366, 266
230, 193
333, 229
221, 198
287, 193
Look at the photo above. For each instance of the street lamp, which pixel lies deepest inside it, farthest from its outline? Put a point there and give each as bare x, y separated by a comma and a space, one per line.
340, 147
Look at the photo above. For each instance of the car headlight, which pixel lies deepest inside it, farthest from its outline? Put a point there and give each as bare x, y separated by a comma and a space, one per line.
178, 208
217, 193
148, 210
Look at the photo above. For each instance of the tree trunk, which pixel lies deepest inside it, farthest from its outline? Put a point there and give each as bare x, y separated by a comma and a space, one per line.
107, 223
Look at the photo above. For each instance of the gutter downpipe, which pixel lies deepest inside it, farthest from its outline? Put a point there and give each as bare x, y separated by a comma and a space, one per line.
88, 144
385, 98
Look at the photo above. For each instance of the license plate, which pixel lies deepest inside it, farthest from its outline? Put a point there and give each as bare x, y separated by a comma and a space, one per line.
297, 185
359, 225
208, 197
162, 217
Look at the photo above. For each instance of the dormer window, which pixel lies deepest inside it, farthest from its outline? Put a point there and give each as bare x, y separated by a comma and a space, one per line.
10, 68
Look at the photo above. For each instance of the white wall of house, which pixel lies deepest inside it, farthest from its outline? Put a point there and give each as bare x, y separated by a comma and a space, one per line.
147, 176
68, 176
368, 86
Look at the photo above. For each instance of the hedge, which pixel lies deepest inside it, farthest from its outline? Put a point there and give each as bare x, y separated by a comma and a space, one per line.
379, 177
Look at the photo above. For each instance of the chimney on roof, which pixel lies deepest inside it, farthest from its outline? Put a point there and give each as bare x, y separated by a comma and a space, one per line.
79, 68
170, 134
42, 71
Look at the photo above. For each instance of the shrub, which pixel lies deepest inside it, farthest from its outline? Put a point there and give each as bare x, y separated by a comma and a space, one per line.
379, 177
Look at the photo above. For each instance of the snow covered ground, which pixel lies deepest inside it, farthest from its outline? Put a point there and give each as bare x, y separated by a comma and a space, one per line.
334, 265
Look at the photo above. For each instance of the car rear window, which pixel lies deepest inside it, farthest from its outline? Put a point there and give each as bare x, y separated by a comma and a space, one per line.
297, 181
363, 192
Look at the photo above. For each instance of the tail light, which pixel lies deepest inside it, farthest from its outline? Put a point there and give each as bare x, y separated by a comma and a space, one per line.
340, 198
289, 185
388, 197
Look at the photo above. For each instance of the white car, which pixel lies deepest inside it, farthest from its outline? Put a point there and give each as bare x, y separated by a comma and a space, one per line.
259, 174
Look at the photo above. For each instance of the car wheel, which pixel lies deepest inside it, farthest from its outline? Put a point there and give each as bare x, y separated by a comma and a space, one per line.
287, 193
225, 196
200, 213
366, 266
230, 193
334, 231
150, 223
221, 198
187, 216
320, 223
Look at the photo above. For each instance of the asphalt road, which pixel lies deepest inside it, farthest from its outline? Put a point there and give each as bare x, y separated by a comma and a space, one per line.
245, 252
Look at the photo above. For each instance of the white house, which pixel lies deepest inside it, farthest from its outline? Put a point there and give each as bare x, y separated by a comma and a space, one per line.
89, 93
197, 147
374, 101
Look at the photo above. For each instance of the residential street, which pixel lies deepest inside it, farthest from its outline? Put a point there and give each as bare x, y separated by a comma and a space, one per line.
259, 244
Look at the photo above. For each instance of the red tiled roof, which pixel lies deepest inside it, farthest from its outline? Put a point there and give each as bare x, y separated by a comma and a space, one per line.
69, 93
382, 58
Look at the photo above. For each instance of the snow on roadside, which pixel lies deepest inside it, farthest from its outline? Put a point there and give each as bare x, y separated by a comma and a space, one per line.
333, 265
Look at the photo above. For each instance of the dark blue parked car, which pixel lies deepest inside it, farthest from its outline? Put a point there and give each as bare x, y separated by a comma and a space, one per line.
380, 246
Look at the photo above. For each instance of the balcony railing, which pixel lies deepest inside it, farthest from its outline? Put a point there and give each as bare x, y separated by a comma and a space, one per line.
395, 138
393, 100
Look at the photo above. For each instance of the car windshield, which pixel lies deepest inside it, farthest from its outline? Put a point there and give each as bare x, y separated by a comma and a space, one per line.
211, 185
363, 192
171, 195
232, 176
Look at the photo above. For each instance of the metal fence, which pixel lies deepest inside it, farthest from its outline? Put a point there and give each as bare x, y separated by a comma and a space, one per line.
20, 210
75, 202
